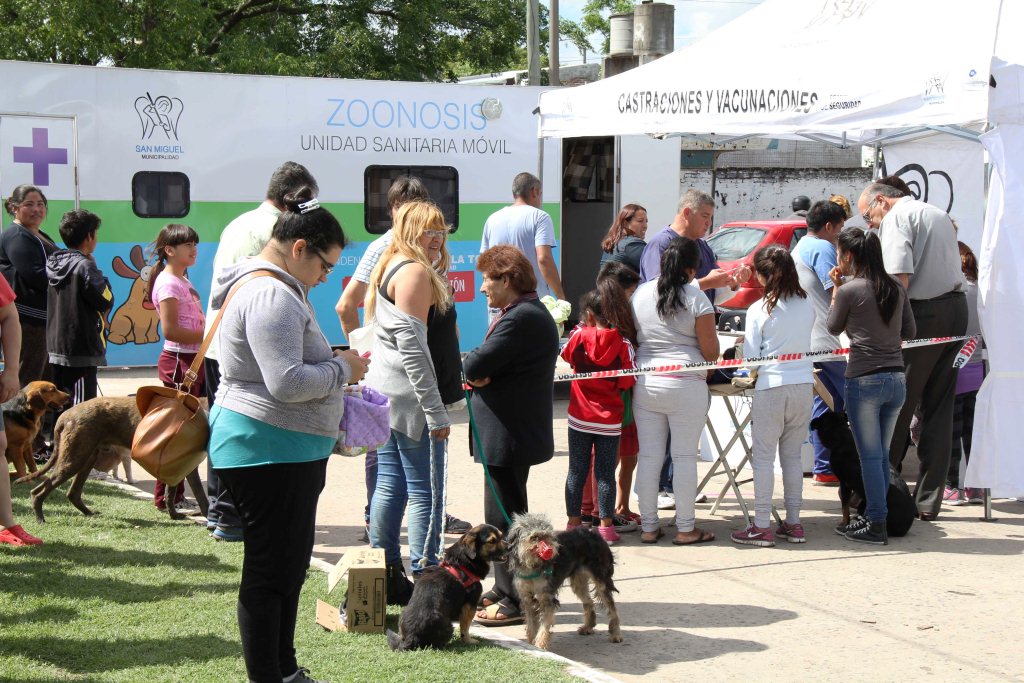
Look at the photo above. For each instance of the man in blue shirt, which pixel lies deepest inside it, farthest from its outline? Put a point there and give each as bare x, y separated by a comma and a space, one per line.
693, 220
815, 256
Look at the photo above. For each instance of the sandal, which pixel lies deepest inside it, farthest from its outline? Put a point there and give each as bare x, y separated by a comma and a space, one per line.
702, 537
646, 537
504, 608
489, 598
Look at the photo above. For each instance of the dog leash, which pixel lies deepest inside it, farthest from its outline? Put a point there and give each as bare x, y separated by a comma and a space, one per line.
438, 490
480, 450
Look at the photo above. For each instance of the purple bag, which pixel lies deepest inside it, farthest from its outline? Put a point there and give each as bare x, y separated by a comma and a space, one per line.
366, 422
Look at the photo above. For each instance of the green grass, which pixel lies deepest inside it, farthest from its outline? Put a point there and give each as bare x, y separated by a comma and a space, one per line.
129, 595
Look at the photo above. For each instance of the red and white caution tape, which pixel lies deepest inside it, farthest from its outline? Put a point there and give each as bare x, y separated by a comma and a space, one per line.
816, 356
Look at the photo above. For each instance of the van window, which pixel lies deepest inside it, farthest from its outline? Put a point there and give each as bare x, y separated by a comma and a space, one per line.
160, 194
442, 183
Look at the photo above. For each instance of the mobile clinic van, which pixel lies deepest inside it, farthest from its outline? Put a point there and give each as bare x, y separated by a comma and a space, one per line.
145, 148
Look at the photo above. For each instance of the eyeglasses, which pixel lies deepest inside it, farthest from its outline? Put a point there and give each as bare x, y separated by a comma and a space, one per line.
864, 216
326, 266
435, 233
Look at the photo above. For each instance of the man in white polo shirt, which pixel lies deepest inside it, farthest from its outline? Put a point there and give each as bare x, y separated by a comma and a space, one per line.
920, 250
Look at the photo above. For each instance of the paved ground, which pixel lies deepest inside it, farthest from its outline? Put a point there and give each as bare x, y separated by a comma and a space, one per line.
943, 603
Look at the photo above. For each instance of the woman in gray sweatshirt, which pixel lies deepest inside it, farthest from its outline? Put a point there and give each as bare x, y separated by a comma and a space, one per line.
275, 422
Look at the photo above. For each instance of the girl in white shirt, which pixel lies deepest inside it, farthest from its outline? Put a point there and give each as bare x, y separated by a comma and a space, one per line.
779, 323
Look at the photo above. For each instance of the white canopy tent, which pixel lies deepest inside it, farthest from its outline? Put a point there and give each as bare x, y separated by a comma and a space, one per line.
864, 72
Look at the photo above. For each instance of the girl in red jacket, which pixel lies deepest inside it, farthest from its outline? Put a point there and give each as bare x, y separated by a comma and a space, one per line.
600, 342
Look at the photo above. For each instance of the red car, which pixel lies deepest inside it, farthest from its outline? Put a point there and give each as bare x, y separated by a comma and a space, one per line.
735, 244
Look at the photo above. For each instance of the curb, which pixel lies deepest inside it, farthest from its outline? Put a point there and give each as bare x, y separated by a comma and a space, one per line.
573, 668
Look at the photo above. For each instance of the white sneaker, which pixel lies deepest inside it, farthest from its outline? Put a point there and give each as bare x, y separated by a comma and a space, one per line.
666, 500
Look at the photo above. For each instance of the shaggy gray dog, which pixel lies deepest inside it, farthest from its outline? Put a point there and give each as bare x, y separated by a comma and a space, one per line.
541, 561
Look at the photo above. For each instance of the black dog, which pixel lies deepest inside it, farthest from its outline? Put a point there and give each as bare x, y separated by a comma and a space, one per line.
449, 592
834, 431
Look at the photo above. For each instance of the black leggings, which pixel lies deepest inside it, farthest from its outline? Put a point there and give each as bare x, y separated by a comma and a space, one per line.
277, 506
606, 452
963, 428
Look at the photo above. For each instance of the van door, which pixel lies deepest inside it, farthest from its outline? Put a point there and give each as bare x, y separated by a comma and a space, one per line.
40, 150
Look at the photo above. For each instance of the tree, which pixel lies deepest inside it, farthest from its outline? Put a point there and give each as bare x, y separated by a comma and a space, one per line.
383, 39
594, 20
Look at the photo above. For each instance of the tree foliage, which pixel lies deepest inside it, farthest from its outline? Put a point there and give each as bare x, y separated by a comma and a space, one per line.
381, 39
594, 19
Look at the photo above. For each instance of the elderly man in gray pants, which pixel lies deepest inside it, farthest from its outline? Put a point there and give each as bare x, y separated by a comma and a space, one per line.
919, 249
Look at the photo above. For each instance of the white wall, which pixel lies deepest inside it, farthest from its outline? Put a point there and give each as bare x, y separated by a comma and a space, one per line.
766, 193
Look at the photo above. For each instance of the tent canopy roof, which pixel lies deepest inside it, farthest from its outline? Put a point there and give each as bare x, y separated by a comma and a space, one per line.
856, 71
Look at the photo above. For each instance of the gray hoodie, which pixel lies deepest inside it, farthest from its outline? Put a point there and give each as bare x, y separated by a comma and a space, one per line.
275, 363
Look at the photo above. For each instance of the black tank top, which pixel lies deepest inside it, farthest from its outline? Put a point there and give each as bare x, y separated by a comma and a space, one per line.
442, 342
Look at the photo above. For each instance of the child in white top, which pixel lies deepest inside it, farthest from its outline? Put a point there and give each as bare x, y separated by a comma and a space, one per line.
779, 323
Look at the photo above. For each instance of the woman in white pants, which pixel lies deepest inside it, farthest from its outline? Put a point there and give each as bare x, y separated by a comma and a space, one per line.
675, 324
779, 323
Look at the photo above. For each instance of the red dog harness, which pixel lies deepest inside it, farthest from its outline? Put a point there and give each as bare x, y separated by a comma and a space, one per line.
465, 577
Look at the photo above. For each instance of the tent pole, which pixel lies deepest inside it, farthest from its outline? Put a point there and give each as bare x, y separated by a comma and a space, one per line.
714, 169
874, 168
617, 194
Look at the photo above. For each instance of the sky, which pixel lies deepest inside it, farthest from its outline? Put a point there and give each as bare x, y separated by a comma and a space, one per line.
694, 19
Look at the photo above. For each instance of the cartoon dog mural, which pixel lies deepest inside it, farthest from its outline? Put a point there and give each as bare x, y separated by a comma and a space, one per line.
136, 319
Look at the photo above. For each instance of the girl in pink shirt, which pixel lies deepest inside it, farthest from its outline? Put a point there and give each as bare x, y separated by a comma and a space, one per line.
181, 317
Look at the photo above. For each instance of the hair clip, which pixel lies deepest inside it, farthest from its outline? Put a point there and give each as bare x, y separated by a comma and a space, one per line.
306, 207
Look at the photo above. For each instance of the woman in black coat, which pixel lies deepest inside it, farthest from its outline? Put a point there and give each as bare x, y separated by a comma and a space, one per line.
512, 373
24, 248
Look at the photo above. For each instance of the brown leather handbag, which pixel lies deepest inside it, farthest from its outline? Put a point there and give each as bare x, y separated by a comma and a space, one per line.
172, 437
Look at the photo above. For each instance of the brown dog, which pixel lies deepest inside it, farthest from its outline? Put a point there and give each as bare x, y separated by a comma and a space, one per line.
23, 415
94, 434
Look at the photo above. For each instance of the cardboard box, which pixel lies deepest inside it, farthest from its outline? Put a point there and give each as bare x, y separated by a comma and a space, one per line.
365, 604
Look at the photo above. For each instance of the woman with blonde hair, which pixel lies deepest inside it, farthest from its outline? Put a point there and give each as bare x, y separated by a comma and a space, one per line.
844, 203
406, 289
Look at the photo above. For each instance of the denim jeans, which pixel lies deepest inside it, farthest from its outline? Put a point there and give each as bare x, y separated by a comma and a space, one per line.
404, 475
873, 403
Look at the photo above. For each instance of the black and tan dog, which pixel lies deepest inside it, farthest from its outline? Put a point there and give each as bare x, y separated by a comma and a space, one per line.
834, 432
542, 560
449, 592
95, 434
23, 416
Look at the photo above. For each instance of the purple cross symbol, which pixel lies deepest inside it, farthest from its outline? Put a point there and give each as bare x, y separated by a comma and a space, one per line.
40, 155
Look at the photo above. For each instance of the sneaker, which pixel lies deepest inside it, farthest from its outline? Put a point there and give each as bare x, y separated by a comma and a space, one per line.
953, 497
454, 525
974, 496
302, 676
228, 534
753, 535
587, 521
16, 535
666, 500
573, 527
794, 533
633, 516
609, 534
623, 525
871, 532
826, 480
855, 522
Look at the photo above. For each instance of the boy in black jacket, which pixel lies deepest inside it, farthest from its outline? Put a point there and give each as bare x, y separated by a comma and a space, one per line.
77, 299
